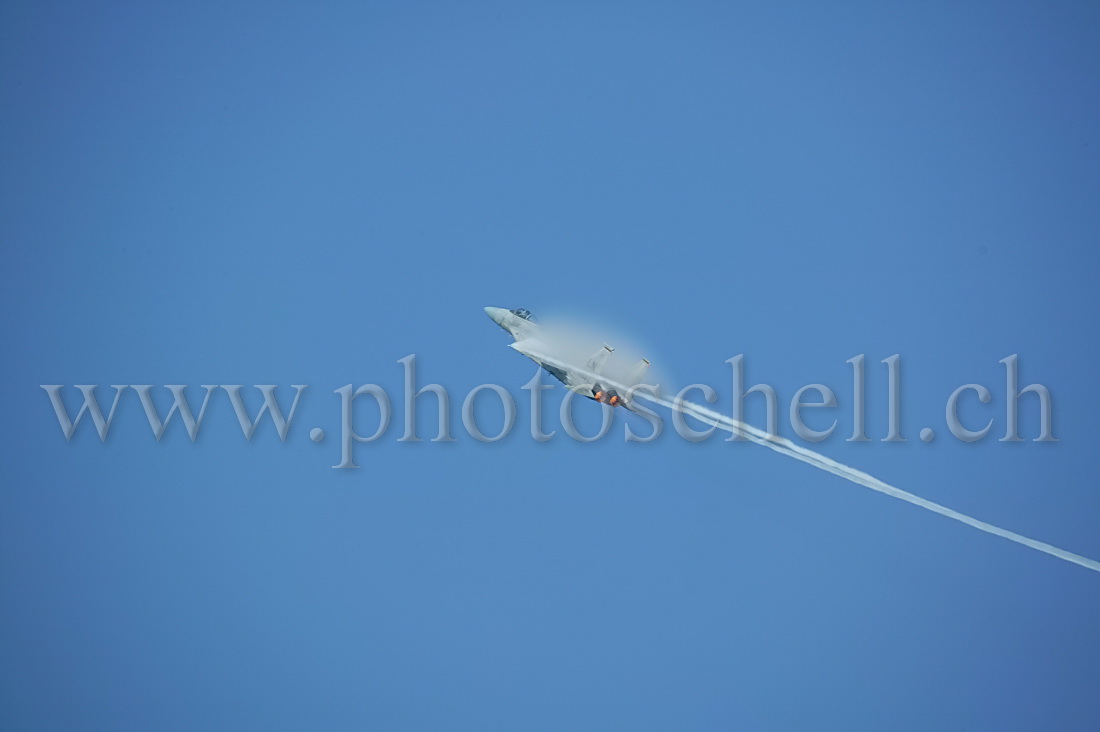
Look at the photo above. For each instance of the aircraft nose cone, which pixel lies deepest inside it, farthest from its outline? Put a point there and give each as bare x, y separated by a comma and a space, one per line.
497, 314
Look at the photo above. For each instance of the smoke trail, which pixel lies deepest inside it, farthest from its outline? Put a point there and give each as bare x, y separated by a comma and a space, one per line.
785, 447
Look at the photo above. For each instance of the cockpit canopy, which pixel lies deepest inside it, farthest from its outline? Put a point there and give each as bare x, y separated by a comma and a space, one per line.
524, 313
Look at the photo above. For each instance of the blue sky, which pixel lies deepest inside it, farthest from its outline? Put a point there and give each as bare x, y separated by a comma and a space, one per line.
265, 193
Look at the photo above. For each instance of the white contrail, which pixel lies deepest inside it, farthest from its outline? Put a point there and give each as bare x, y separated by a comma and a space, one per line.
786, 447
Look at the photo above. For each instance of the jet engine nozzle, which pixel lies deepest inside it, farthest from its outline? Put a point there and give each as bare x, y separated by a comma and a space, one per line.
606, 396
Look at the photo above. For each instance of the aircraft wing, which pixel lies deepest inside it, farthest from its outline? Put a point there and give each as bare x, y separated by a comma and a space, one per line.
531, 350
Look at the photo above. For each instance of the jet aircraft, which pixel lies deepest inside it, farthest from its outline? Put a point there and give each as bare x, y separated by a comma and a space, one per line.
528, 334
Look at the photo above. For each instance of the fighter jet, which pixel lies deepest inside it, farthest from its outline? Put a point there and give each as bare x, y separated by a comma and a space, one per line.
528, 334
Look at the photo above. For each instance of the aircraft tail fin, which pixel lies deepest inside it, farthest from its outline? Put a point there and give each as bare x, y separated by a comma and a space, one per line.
599, 358
638, 374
